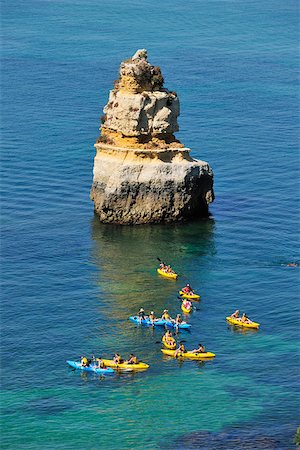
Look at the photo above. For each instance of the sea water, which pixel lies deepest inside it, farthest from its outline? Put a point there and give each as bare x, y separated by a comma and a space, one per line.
69, 283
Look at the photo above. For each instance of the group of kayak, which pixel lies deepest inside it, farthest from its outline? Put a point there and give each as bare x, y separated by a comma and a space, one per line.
165, 320
180, 352
108, 366
188, 295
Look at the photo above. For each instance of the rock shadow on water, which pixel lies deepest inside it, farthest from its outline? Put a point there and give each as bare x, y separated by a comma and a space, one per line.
126, 256
246, 438
119, 243
47, 406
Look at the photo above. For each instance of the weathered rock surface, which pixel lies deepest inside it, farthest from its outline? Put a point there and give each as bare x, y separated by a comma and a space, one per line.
146, 113
142, 173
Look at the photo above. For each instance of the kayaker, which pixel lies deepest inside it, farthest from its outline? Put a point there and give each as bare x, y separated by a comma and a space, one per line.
84, 361
187, 304
162, 266
245, 319
236, 314
117, 358
132, 360
101, 364
141, 315
169, 269
178, 319
187, 289
167, 335
180, 349
152, 317
169, 338
165, 315
200, 349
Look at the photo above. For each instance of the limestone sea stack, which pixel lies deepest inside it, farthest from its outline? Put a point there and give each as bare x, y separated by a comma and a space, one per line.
142, 173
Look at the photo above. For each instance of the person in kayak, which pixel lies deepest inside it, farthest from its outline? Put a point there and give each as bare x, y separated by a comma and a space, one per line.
162, 266
84, 361
245, 319
169, 269
236, 314
165, 315
178, 319
169, 338
117, 358
187, 304
101, 364
187, 289
142, 315
152, 317
200, 349
180, 349
132, 360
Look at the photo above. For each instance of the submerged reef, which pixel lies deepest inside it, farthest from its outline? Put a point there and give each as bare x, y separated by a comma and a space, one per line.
142, 173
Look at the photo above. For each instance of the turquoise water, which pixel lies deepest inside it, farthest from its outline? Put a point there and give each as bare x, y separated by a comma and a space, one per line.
70, 283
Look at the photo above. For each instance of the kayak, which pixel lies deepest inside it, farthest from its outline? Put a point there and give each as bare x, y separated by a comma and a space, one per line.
242, 324
172, 276
189, 355
147, 322
185, 310
180, 326
189, 296
123, 366
91, 368
169, 346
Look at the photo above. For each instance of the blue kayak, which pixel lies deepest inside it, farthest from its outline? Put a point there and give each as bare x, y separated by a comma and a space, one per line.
180, 326
91, 368
147, 322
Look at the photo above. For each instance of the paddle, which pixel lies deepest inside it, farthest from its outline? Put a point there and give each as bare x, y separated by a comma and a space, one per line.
159, 260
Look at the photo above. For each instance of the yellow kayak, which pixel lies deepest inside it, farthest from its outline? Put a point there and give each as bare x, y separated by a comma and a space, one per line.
189, 355
189, 296
242, 324
185, 310
172, 276
123, 366
169, 346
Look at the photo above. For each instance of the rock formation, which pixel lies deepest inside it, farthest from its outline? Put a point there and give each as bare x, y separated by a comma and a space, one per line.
142, 173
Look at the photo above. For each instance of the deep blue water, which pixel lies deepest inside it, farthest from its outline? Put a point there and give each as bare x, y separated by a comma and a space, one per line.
70, 283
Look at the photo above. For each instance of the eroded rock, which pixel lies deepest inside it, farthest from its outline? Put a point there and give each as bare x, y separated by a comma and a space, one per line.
142, 173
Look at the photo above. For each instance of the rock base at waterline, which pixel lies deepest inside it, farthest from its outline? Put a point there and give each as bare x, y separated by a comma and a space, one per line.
135, 186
